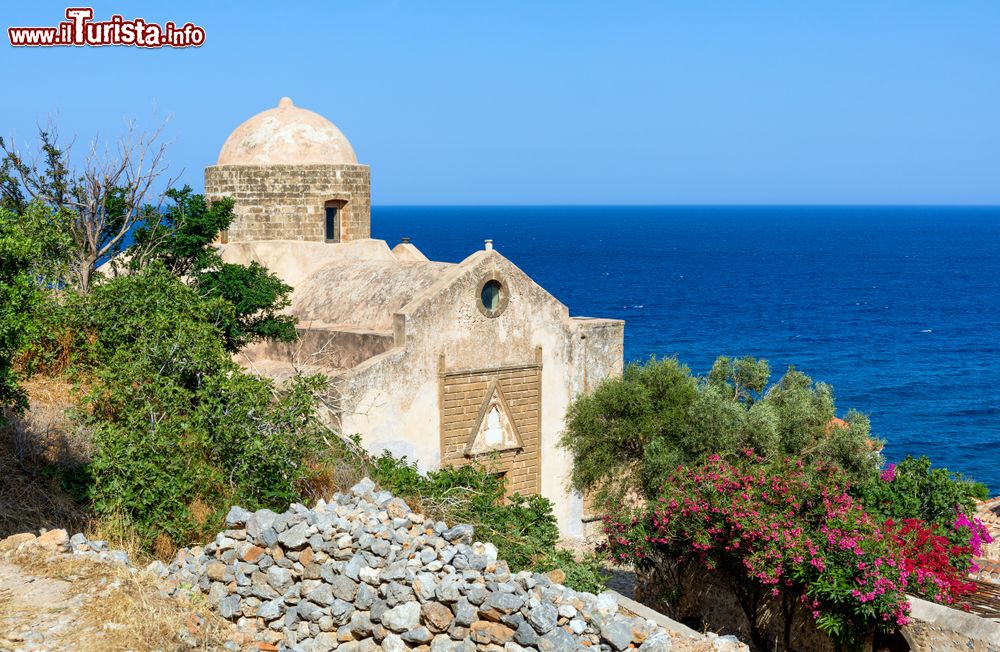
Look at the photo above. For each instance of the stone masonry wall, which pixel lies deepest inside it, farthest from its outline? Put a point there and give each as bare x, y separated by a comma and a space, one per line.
462, 395
286, 202
706, 598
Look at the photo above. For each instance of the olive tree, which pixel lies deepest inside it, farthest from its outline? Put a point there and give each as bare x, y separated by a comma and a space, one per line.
628, 435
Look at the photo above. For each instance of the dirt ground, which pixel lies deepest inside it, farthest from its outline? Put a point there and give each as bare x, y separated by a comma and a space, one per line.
65, 603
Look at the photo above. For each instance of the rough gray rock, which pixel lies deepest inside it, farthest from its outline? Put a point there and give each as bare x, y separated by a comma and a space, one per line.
659, 642
237, 516
402, 618
271, 609
543, 617
618, 633
229, 607
295, 538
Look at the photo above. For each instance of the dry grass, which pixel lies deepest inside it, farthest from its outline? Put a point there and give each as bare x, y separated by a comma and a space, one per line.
43, 437
116, 530
7, 608
145, 620
200, 511
124, 610
332, 474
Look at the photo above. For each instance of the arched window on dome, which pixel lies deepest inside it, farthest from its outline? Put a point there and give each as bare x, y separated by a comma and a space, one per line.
334, 211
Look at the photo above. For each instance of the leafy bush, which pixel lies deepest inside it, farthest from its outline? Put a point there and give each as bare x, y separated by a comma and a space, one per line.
180, 431
154, 317
632, 432
522, 528
18, 297
585, 574
913, 489
232, 440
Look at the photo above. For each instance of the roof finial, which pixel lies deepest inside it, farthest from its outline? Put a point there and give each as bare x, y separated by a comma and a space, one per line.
285, 102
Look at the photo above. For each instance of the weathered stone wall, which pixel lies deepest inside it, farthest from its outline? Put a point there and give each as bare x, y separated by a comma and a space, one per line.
287, 202
394, 399
936, 627
462, 395
705, 597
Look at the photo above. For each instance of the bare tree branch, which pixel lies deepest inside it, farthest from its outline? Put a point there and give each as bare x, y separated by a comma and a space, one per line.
119, 186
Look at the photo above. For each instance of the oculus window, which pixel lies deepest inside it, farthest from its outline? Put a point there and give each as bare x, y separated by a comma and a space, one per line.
492, 297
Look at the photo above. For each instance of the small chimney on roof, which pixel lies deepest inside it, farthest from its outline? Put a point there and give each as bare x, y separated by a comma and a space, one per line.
405, 240
488, 245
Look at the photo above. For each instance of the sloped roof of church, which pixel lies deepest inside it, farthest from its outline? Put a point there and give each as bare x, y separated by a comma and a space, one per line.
364, 293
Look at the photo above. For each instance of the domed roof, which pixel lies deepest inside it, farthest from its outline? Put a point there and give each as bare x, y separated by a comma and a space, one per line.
287, 135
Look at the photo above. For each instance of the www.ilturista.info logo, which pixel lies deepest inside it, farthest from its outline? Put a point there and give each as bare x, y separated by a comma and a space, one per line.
80, 30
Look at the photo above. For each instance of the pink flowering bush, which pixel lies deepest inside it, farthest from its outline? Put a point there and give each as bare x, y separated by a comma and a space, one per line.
933, 511
778, 532
936, 568
974, 530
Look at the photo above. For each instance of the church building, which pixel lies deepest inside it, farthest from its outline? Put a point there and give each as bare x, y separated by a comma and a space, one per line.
445, 363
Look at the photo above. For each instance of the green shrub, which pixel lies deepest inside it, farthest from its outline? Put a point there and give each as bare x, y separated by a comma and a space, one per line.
585, 574
633, 431
233, 440
180, 431
915, 489
149, 462
18, 297
261, 436
154, 317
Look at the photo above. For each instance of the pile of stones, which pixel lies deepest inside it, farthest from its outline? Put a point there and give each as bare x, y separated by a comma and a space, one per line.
365, 572
59, 541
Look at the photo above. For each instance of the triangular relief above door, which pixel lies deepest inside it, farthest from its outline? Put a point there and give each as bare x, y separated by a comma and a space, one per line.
494, 429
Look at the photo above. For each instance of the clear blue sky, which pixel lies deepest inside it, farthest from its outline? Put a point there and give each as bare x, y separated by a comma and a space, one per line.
564, 102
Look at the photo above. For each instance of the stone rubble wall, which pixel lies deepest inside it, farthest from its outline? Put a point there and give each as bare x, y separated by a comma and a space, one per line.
364, 572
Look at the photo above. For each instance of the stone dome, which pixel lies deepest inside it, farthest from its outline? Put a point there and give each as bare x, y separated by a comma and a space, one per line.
287, 135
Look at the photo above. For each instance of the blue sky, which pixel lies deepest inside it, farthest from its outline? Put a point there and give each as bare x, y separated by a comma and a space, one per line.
564, 102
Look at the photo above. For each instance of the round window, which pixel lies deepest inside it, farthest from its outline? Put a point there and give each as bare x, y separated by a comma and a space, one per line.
492, 298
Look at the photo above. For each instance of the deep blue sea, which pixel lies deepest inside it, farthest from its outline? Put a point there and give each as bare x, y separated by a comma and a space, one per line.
898, 308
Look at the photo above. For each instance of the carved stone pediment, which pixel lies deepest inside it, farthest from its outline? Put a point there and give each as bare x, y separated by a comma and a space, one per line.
494, 429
